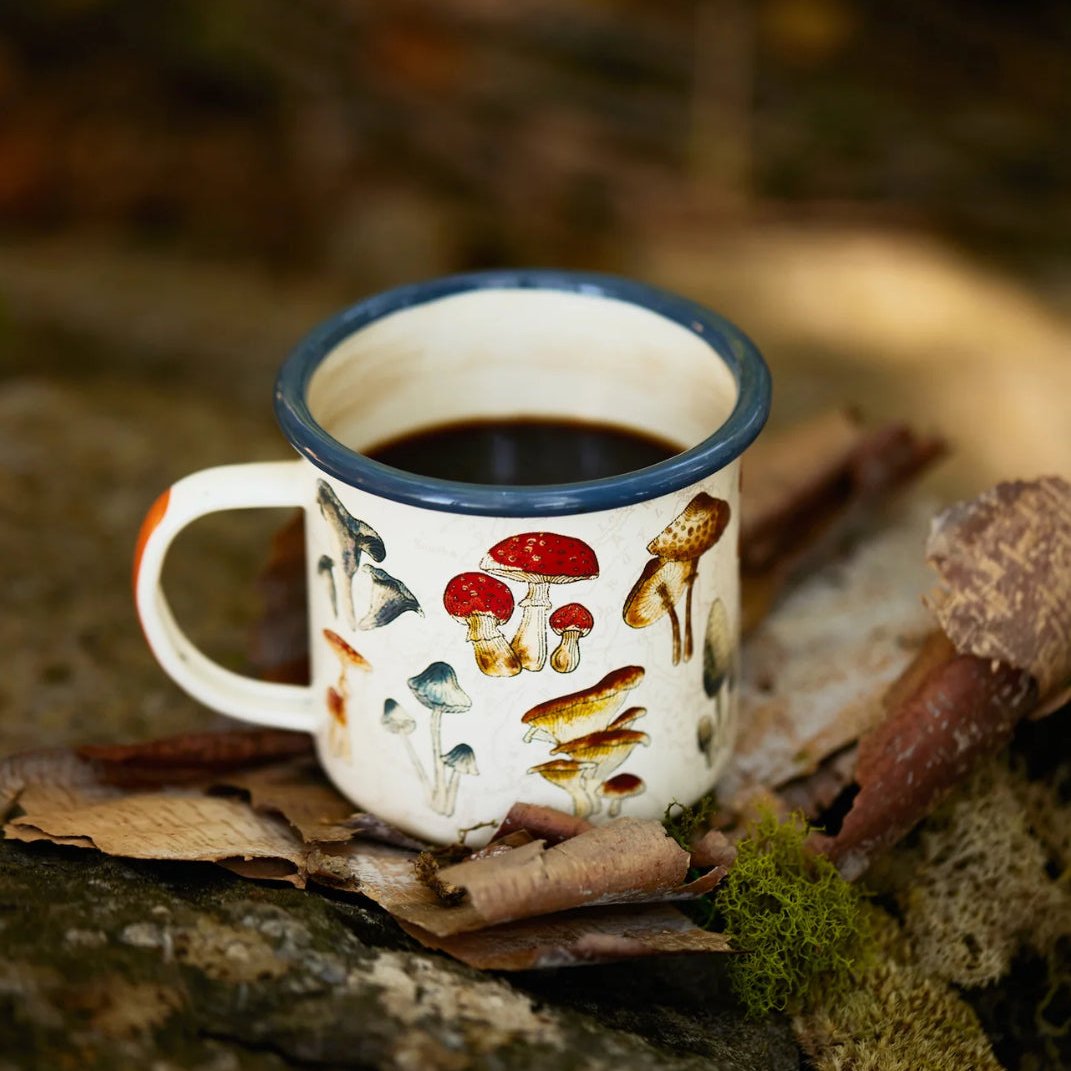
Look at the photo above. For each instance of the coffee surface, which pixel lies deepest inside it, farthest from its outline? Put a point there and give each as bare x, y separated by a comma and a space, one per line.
523, 451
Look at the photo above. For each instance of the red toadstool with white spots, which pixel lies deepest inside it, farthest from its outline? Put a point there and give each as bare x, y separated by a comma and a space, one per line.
484, 604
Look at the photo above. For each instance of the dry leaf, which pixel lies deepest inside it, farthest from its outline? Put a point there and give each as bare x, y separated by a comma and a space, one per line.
965, 709
372, 827
1005, 564
165, 826
595, 935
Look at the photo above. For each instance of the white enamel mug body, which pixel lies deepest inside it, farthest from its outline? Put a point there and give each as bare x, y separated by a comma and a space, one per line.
472, 645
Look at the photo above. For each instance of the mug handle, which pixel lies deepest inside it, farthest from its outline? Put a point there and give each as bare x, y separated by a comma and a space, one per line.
263, 484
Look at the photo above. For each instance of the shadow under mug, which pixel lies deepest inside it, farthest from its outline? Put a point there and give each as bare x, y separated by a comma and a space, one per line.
451, 671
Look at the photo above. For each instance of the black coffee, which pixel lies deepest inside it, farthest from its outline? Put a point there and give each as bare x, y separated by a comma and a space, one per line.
525, 451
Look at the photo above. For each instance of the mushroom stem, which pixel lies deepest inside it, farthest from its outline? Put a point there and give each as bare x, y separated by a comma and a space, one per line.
530, 641
439, 786
494, 656
674, 624
689, 584
451, 793
566, 656
417, 765
583, 803
347, 592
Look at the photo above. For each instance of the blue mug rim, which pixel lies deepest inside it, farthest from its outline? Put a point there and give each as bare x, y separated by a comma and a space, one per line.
722, 446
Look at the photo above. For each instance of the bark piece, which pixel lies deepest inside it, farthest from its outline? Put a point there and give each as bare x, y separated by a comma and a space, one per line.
193, 756
626, 860
1004, 560
575, 938
543, 823
964, 710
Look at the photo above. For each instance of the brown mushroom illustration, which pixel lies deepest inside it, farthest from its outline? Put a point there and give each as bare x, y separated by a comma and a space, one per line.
539, 559
570, 776
704, 738
572, 622
338, 736
673, 570
484, 603
607, 749
627, 717
338, 739
620, 788
586, 711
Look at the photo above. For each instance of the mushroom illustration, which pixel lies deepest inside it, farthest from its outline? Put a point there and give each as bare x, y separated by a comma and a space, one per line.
437, 688
338, 740
572, 622
620, 788
569, 775
398, 721
673, 570
607, 749
326, 567
718, 648
461, 761
539, 559
704, 738
627, 717
354, 539
484, 603
589, 710
389, 598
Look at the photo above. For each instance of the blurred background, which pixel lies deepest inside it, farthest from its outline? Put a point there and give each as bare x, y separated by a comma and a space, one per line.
879, 194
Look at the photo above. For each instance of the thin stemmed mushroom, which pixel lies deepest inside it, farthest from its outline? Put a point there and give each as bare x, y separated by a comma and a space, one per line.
572, 622
620, 788
389, 599
461, 761
397, 721
538, 559
338, 697
674, 568
326, 567
354, 538
569, 775
484, 604
719, 666
704, 738
437, 688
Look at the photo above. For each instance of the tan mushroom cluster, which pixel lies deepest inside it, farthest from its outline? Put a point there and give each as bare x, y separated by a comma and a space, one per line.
591, 740
673, 570
338, 738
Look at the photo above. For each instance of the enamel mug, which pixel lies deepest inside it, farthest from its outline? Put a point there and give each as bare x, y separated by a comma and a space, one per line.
473, 645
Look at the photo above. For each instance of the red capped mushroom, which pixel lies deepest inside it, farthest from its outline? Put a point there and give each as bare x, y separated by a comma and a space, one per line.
484, 603
572, 622
539, 559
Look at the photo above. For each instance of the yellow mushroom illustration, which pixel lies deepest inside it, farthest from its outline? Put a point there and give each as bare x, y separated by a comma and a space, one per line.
570, 776
338, 734
607, 750
620, 788
586, 711
672, 571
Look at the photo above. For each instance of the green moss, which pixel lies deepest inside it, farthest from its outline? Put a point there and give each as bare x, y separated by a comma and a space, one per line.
796, 919
684, 823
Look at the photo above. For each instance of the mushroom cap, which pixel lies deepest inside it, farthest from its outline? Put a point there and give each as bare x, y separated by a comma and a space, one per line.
344, 651
325, 564
622, 786
659, 587
366, 539
718, 649
572, 616
562, 771
461, 758
336, 706
704, 732
694, 530
390, 599
396, 719
597, 746
477, 593
438, 689
542, 557
591, 708
627, 717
